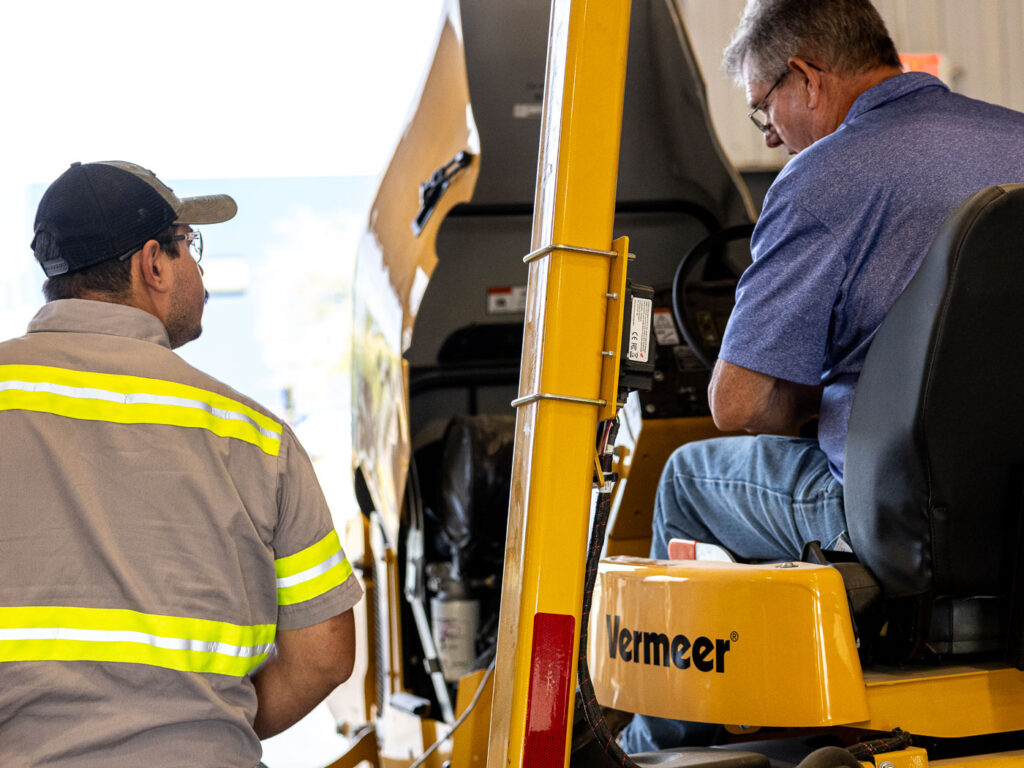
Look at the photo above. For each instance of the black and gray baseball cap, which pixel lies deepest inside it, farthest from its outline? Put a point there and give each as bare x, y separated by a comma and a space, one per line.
99, 211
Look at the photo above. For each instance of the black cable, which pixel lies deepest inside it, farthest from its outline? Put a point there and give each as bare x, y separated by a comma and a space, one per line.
585, 686
899, 739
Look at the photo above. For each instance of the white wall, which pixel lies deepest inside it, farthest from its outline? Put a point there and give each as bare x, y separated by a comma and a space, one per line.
983, 41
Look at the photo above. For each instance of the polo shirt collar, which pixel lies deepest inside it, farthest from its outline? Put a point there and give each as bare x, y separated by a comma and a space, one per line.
83, 316
889, 90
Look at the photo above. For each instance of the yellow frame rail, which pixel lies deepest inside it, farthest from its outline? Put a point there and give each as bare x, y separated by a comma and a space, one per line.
567, 302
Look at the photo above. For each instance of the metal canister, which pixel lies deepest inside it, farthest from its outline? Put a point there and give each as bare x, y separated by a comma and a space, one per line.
454, 623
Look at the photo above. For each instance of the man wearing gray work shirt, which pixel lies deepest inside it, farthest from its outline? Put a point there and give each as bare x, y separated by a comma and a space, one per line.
881, 159
172, 588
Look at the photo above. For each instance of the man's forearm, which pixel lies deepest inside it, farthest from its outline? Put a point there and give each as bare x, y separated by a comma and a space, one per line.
789, 405
742, 399
285, 695
302, 669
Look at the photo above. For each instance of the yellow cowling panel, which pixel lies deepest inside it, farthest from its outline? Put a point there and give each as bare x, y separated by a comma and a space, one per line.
948, 702
394, 265
766, 645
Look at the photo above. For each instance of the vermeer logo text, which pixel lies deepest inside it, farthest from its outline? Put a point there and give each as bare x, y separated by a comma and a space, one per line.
656, 648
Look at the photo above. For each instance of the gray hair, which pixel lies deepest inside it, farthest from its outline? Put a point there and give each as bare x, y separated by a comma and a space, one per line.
847, 36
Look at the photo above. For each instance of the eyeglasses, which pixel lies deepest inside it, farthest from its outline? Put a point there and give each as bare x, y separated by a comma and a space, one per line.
762, 122
194, 240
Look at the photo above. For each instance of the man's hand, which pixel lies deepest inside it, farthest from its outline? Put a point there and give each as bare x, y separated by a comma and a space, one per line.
742, 399
304, 667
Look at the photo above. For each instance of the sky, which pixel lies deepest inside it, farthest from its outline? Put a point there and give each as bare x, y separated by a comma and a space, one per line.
218, 89
211, 89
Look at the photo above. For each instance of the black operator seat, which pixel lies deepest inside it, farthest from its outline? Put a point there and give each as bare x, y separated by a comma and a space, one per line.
935, 450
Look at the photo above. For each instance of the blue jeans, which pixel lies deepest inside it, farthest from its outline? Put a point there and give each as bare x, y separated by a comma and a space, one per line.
762, 498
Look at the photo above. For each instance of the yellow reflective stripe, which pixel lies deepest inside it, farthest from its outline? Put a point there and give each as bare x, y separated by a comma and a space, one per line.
316, 586
63, 633
309, 557
133, 400
311, 572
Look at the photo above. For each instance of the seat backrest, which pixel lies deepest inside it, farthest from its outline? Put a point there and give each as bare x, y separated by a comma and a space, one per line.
935, 449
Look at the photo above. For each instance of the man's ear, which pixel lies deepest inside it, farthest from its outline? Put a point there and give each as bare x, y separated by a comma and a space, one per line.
153, 267
812, 77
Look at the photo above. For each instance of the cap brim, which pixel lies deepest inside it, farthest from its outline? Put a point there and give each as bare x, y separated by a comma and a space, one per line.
207, 209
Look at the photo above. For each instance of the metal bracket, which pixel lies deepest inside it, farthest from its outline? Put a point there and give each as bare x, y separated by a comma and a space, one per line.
433, 188
613, 332
534, 255
562, 398
614, 320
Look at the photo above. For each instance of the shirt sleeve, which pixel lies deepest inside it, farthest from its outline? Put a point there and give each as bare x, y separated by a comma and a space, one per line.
784, 300
315, 580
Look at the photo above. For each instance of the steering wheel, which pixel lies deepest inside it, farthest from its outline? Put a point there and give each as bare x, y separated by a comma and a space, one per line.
704, 291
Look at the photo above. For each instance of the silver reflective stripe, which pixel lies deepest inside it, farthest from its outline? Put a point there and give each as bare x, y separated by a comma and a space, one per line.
311, 573
124, 636
89, 393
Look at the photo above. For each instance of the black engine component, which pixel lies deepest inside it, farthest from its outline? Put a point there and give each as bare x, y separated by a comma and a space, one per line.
476, 468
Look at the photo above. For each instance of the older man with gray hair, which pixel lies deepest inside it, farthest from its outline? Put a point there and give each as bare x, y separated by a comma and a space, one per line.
881, 158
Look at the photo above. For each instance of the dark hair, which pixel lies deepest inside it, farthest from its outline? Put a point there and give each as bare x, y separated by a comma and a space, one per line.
112, 278
847, 36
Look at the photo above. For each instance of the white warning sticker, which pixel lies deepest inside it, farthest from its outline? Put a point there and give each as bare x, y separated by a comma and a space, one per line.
523, 111
665, 328
506, 300
640, 330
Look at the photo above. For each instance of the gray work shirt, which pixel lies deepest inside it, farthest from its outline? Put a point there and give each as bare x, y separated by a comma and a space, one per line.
155, 528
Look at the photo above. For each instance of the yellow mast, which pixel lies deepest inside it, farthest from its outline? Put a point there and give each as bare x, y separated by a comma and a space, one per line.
560, 385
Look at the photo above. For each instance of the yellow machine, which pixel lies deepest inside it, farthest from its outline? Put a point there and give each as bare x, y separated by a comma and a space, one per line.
463, 265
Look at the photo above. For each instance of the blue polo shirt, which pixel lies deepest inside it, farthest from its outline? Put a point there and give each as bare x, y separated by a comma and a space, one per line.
845, 226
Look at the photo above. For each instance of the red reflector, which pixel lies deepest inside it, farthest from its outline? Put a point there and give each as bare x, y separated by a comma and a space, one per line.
548, 702
682, 549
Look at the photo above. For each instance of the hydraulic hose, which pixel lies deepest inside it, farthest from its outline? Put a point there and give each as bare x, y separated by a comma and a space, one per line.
585, 686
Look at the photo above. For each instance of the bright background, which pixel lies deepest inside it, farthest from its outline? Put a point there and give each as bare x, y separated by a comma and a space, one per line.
293, 108
216, 89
